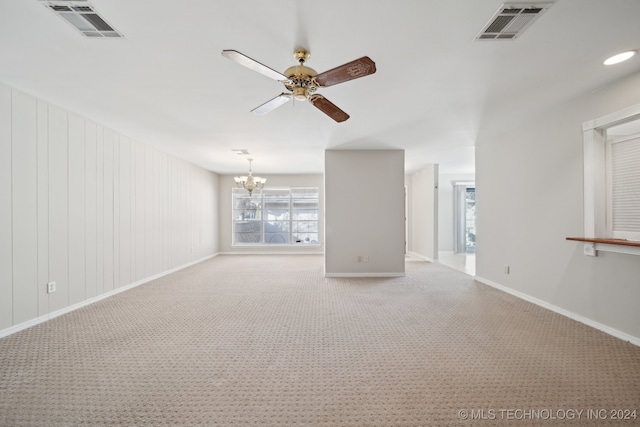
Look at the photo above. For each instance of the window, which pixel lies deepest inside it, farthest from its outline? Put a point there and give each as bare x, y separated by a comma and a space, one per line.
612, 179
275, 216
623, 186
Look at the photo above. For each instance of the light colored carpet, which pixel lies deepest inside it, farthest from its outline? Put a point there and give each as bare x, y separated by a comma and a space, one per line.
267, 341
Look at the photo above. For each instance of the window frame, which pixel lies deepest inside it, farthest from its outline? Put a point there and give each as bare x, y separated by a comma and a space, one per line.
596, 224
290, 219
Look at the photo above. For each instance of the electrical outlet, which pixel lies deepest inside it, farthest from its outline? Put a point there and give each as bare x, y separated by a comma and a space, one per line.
51, 287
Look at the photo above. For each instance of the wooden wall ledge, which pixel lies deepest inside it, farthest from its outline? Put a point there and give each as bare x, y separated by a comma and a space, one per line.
620, 242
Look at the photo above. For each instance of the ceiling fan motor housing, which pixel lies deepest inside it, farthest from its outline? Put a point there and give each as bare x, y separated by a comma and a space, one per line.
300, 81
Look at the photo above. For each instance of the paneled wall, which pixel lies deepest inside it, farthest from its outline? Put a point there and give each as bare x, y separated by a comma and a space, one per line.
90, 209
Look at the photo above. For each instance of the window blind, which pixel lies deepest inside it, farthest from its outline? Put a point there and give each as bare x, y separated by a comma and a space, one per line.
625, 188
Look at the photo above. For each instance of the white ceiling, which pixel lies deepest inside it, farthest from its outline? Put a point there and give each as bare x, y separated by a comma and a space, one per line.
166, 84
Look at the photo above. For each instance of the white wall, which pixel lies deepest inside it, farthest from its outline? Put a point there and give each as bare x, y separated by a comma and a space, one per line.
227, 184
422, 218
446, 213
530, 197
90, 209
364, 212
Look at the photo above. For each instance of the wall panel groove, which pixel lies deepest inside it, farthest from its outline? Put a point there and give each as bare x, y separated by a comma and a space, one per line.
43, 205
6, 226
77, 211
100, 245
58, 209
116, 211
24, 203
108, 211
90, 192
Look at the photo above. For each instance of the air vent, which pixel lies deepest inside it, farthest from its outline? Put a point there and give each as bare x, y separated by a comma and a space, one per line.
82, 15
511, 20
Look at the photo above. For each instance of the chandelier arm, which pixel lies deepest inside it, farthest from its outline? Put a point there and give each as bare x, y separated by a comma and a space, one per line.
250, 182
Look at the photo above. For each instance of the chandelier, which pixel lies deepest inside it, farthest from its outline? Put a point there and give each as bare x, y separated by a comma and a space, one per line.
250, 182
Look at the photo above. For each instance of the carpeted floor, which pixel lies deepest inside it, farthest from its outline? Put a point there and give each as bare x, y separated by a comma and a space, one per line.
267, 341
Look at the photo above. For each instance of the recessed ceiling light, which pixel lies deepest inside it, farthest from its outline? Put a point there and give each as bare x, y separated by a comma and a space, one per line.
620, 57
240, 151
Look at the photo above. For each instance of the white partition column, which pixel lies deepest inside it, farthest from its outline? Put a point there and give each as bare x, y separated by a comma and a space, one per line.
364, 213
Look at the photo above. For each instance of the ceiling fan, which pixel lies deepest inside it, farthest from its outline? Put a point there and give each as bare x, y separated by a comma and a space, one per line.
302, 82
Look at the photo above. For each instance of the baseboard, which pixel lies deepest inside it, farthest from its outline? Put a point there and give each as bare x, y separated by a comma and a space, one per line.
253, 252
578, 318
420, 257
347, 275
44, 318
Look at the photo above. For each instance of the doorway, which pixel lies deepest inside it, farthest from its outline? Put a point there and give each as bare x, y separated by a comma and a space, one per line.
465, 217
463, 256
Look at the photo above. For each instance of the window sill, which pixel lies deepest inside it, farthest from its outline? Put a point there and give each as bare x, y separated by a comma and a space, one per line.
621, 246
269, 245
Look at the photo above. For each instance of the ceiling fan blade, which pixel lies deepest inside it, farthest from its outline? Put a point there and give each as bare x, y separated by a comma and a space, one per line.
252, 64
349, 71
328, 107
272, 104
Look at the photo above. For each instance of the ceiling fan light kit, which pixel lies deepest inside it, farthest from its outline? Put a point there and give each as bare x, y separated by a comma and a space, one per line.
302, 82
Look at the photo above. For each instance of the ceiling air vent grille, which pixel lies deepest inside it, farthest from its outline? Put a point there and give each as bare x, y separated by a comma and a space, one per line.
511, 20
82, 15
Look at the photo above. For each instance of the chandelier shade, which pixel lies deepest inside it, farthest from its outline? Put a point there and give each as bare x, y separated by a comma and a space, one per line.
250, 182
